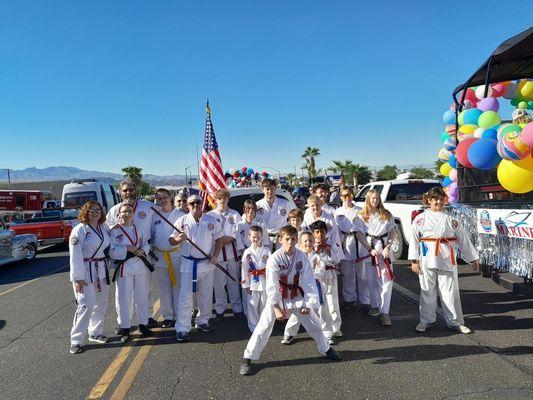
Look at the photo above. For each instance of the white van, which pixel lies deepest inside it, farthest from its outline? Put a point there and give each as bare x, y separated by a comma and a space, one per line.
77, 193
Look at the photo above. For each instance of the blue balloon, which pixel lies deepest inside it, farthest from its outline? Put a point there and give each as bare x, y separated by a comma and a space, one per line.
446, 181
452, 161
249, 171
449, 117
483, 154
471, 116
450, 144
490, 134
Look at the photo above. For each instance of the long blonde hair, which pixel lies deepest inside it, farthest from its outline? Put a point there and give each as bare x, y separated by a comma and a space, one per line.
365, 213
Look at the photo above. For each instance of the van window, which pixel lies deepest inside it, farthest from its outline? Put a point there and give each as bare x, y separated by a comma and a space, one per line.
361, 195
409, 191
108, 195
237, 202
77, 199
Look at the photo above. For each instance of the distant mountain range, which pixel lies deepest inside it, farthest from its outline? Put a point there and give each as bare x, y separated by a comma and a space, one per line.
61, 173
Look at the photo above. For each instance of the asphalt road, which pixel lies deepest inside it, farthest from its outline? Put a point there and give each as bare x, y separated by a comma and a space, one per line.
37, 307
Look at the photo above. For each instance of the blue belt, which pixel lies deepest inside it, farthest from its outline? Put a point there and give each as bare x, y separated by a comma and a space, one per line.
195, 262
319, 286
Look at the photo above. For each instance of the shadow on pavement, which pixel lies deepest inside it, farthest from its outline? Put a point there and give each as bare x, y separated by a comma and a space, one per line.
2, 324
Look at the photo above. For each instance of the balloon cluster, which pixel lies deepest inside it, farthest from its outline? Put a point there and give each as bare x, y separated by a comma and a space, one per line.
244, 177
483, 142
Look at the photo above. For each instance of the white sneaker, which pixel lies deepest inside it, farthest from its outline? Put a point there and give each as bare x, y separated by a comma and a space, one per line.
421, 327
373, 312
462, 329
385, 320
287, 339
337, 333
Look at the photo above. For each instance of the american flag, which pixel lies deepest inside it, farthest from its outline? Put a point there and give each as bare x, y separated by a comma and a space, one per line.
211, 176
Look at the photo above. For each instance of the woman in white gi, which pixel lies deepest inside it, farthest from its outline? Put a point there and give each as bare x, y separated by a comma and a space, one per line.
167, 264
89, 275
436, 238
379, 229
129, 247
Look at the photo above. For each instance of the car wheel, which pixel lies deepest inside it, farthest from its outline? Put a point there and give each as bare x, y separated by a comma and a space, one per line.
398, 246
32, 251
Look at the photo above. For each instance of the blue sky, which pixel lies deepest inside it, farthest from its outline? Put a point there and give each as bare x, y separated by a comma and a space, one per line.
104, 84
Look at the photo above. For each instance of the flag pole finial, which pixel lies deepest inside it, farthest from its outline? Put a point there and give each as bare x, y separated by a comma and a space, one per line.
207, 108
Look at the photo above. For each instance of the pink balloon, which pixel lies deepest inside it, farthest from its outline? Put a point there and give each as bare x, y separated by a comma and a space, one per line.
527, 134
488, 104
498, 89
453, 175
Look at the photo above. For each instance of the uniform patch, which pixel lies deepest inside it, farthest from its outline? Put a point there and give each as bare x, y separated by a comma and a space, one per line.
260, 211
141, 214
74, 241
120, 238
157, 222
299, 266
88, 235
420, 221
455, 224
210, 226
232, 220
265, 258
282, 212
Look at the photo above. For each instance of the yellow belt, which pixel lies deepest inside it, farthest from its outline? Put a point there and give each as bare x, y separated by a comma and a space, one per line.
170, 265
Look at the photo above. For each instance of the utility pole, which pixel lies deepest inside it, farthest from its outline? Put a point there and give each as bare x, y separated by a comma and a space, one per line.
8, 178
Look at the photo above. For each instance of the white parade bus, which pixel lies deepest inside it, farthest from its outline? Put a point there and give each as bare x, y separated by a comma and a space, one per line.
77, 193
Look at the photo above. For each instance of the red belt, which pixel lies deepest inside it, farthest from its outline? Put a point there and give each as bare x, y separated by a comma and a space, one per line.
256, 272
288, 289
388, 268
439, 241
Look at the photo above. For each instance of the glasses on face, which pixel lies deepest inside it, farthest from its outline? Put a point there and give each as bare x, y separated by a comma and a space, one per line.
126, 212
345, 194
195, 203
95, 211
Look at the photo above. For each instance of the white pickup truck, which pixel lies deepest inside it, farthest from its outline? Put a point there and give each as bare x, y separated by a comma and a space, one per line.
402, 198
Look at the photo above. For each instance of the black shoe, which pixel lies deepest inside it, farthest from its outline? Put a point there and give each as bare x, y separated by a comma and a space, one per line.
182, 337
118, 329
206, 328
333, 355
348, 305
219, 316
167, 323
75, 349
152, 323
98, 339
195, 313
238, 314
145, 331
246, 367
124, 334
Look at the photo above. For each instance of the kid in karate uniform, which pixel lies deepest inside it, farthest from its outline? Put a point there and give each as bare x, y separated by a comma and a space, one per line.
435, 241
291, 289
254, 261
226, 255
132, 275
249, 219
379, 229
319, 261
167, 265
271, 209
89, 275
296, 219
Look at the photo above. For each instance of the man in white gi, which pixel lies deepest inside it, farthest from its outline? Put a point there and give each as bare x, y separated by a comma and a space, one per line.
436, 237
196, 269
226, 255
142, 218
273, 210
322, 191
167, 265
180, 201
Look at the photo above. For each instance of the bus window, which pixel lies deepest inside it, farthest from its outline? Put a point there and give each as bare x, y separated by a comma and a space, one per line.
77, 199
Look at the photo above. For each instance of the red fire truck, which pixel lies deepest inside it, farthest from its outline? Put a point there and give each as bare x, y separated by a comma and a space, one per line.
22, 200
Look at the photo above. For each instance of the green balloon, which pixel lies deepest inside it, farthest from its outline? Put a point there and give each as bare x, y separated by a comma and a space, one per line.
460, 117
522, 105
488, 119
443, 136
515, 101
530, 104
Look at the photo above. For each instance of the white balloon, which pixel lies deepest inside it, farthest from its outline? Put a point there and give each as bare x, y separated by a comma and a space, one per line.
478, 132
480, 91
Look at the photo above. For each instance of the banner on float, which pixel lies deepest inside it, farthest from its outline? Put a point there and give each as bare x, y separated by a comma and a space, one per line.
511, 223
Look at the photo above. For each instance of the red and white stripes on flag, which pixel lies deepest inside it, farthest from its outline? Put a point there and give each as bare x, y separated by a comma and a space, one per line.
211, 174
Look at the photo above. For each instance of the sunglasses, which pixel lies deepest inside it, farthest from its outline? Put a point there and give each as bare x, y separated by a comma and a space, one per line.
95, 211
195, 203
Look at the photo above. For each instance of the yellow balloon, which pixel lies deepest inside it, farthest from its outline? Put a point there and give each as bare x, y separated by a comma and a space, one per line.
516, 178
468, 129
526, 88
445, 169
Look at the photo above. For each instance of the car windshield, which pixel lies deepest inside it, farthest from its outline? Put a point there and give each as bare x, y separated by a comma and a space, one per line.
409, 191
71, 213
77, 199
237, 202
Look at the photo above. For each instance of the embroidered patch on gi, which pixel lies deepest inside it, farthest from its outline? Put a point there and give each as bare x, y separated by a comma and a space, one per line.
232, 220
141, 214
87, 235
455, 224
265, 258
282, 267
157, 222
120, 238
260, 211
210, 226
74, 241
282, 212
420, 221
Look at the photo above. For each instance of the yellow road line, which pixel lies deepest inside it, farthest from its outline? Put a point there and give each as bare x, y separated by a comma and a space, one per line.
32, 280
129, 377
111, 372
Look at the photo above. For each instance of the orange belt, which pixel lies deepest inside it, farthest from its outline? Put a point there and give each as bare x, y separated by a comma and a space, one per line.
443, 240
256, 272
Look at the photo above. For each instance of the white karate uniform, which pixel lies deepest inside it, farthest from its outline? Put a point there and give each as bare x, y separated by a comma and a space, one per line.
229, 259
438, 265
133, 277
280, 265
88, 262
243, 227
274, 217
333, 230
142, 218
203, 233
256, 300
353, 286
167, 265
380, 287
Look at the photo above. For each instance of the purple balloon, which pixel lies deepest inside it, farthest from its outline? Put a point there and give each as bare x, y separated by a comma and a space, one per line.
452, 188
488, 104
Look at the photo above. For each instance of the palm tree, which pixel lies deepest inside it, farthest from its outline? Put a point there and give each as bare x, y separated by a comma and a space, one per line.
309, 156
359, 174
133, 173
